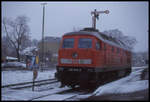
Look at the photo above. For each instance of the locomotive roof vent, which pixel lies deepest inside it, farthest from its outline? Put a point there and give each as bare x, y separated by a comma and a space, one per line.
90, 29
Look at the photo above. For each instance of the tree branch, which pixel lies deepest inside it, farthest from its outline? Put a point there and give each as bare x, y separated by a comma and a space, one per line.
8, 35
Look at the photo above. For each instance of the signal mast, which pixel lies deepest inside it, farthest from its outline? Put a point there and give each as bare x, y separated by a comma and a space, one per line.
96, 16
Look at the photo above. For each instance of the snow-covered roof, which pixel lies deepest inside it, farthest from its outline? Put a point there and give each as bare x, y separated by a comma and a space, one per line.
28, 50
102, 37
11, 58
52, 39
14, 64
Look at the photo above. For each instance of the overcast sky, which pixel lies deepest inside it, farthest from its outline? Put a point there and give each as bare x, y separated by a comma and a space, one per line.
61, 17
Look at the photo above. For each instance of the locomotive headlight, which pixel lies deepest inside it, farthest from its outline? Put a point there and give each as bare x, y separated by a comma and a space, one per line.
74, 55
61, 69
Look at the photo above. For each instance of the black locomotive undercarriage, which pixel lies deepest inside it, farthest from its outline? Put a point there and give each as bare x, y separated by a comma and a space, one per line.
89, 77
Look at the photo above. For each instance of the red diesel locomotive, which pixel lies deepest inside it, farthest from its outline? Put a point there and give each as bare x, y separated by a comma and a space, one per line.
89, 57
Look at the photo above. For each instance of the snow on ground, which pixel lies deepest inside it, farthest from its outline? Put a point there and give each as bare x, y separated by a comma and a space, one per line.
139, 67
28, 94
128, 84
12, 77
79, 97
56, 97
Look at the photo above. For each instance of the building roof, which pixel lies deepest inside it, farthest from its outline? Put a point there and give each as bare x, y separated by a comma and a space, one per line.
28, 50
11, 58
52, 39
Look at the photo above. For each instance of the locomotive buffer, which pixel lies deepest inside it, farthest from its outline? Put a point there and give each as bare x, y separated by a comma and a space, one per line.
96, 16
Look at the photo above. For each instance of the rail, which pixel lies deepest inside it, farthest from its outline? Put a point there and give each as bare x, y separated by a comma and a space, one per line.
24, 83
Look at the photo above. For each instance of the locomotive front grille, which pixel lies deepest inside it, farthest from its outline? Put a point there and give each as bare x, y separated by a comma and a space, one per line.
72, 69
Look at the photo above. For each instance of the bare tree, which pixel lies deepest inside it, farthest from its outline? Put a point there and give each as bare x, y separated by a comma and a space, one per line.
140, 58
129, 41
17, 31
7, 49
35, 42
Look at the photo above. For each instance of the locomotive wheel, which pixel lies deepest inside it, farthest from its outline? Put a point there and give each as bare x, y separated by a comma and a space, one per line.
122, 73
128, 71
83, 85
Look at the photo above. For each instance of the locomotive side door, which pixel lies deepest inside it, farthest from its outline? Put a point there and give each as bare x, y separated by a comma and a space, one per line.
104, 52
98, 48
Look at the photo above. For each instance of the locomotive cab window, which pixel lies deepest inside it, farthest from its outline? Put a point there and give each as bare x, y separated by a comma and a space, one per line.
85, 43
68, 43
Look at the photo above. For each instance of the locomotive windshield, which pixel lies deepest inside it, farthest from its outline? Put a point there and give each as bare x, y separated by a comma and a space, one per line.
68, 43
85, 43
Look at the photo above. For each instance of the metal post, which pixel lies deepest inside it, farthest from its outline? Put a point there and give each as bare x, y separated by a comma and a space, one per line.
94, 22
43, 34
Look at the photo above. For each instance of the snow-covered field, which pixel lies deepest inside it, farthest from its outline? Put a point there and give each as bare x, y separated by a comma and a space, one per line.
131, 83
12, 77
9, 94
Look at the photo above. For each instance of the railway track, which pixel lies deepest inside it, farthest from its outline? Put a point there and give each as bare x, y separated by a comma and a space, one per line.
30, 84
61, 95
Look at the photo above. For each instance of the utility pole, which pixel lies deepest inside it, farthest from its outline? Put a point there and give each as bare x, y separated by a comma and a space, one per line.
96, 16
43, 34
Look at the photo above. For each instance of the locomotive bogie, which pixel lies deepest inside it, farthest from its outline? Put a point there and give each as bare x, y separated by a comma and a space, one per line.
89, 76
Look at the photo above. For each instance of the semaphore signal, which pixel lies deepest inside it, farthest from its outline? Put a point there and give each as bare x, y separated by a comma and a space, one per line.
96, 16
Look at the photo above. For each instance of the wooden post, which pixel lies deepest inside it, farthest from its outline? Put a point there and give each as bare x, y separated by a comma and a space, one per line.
34, 77
33, 85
